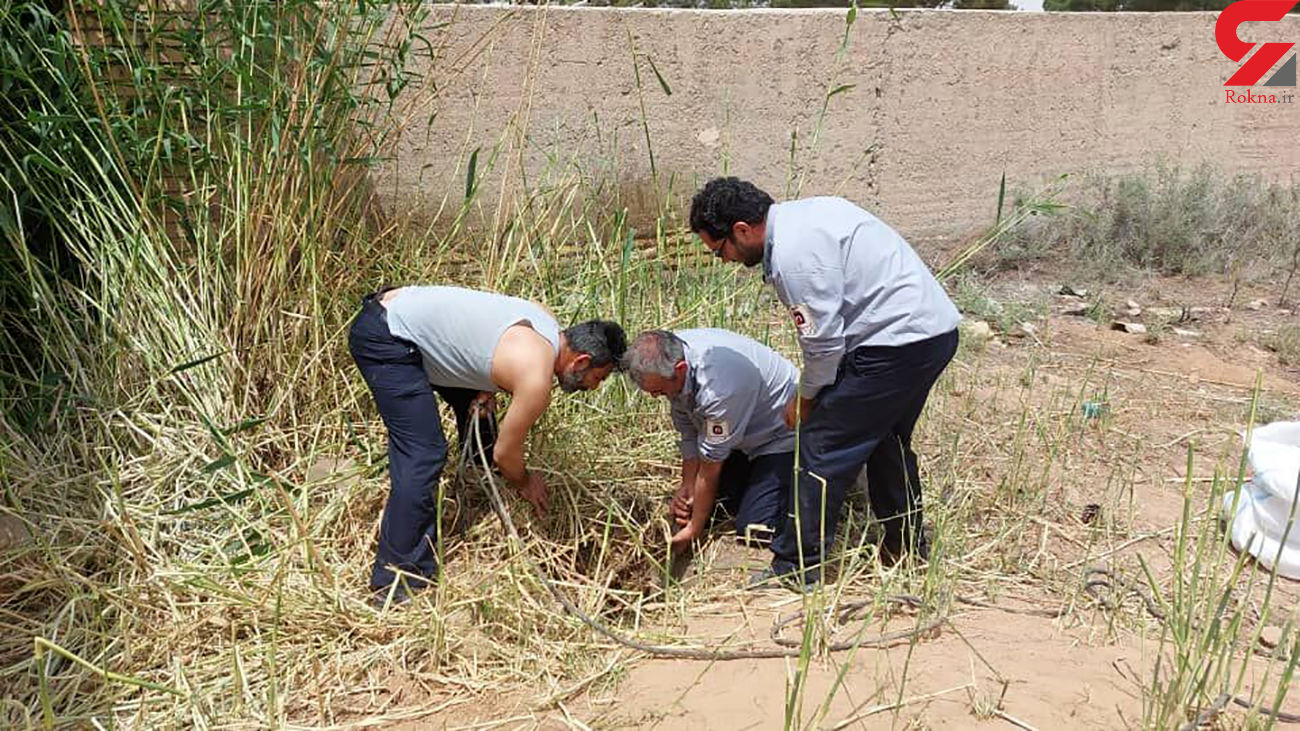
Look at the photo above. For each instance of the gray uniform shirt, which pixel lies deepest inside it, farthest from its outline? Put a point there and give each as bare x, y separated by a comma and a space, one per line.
457, 330
848, 280
734, 397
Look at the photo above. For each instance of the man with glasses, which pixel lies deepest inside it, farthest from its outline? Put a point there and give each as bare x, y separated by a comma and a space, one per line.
464, 345
726, 394
876, 330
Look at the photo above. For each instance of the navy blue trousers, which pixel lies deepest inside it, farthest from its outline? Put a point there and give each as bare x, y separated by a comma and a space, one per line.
417, 448
865, 418
755, 491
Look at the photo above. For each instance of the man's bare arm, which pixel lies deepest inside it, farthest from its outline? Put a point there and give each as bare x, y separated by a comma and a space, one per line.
523, 364
682, 499
706, 490
529, 399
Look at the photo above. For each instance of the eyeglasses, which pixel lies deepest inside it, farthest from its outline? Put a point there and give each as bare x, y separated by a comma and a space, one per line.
722, 244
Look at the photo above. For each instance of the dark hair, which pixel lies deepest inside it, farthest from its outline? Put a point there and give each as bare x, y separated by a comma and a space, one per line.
723, 202
603, 340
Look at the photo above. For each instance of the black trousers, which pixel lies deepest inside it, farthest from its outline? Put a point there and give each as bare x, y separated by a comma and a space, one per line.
865, 418
417, 449
755, 491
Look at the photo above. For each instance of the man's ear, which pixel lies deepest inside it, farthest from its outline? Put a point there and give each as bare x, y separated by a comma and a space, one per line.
679, 368
740, 231
580, 361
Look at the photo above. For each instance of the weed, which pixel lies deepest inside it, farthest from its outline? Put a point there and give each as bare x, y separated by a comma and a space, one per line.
973, 299
1285, 341
1170, 221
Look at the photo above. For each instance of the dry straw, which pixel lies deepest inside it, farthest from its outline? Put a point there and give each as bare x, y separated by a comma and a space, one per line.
201, 471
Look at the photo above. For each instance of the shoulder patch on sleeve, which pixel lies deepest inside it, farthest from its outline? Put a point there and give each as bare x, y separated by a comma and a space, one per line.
803, 320
716, 431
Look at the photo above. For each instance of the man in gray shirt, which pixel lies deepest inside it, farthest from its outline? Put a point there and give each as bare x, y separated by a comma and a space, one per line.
727, 394
464, 345
876, 330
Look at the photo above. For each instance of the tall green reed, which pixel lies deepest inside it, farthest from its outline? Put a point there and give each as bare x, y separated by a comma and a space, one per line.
182, 190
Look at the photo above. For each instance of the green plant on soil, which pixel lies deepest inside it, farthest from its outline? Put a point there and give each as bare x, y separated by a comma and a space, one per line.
1167, 220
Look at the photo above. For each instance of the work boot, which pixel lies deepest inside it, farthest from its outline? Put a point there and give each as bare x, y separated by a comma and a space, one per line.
769, 578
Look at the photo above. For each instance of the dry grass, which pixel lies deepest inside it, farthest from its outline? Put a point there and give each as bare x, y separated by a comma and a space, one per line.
1169, 220
202, 473
252, 610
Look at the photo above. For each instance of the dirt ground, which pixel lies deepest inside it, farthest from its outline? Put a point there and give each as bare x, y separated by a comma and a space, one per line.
1188, 381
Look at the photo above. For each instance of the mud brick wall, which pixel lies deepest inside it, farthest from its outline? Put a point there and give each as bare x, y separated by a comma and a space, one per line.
933, 106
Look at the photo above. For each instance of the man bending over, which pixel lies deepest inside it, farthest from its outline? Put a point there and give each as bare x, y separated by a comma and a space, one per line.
727, 396
464, 345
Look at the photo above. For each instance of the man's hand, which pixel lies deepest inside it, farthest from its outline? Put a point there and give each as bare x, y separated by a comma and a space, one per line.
684, 499
484, 403
682, 506
693, 502
683, 538
533, 489
805, 405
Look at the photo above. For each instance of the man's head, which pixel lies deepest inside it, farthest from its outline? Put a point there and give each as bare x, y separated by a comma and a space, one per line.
656, 362
730, 217
591, 351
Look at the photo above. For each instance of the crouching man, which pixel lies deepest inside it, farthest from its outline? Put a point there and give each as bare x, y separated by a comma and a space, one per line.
727, 396
464, 345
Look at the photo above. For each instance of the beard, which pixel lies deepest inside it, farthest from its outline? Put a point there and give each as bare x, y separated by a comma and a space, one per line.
752, 259
571, 382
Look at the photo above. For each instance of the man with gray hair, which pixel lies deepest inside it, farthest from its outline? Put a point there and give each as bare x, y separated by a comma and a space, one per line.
727, 393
